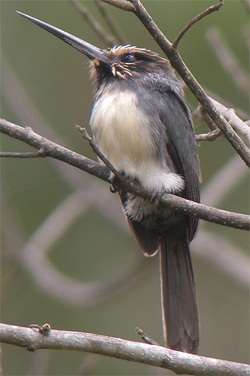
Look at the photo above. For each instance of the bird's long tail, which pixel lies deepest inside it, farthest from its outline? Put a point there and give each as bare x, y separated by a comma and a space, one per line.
179, 304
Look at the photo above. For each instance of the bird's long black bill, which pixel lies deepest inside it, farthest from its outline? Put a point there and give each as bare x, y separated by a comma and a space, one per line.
86, 48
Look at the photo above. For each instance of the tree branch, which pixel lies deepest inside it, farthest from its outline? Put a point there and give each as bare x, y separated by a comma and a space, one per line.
153, 355
211, 136
233, 119
87, 16
51, 149
9, 154
121, 4
115, 29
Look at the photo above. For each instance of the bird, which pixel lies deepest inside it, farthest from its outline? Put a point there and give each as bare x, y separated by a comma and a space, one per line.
141, 123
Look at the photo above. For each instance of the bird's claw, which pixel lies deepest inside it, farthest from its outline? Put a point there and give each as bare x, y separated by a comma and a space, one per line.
117, 183
157, 196
113, 188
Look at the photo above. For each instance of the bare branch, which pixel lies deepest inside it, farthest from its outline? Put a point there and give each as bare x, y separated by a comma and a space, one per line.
205, 118
203, 14
111, 23
54, 150
229, 114
211, 136
15, 96
153, 355
223, 217
37, 154
121, 4
87, 16
145, 337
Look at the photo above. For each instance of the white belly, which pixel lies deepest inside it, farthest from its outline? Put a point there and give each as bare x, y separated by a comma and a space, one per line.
120, 130
122, 133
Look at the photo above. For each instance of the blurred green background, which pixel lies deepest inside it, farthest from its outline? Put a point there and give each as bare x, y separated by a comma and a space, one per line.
46, 85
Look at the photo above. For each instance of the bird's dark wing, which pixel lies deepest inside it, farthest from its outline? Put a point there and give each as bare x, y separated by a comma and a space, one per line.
148, 239
181, 147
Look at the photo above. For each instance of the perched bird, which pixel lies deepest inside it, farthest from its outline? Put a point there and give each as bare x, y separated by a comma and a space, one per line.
141, 123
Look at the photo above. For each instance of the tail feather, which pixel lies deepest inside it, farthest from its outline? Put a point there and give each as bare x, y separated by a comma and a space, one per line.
179, 304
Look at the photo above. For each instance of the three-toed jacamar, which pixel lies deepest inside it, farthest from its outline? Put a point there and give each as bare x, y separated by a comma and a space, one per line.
141, 123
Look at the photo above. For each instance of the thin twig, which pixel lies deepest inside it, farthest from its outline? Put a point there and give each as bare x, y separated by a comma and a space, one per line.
100, 155
222, 217
37, 154
211, 136
145, 337
115, 29
203, 14
153, 355
43, 329
101, 33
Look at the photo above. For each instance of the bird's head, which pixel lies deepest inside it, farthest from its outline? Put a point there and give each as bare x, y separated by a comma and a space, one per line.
121, 62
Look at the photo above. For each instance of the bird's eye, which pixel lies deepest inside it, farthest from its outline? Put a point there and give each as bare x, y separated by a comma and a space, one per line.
127, 58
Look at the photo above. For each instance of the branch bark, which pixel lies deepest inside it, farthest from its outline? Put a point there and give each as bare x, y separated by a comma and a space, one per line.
178, 362
51, 149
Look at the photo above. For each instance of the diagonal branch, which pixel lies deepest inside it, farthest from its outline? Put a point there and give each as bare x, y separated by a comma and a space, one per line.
51, 149
115, 29
87, 16
153, 355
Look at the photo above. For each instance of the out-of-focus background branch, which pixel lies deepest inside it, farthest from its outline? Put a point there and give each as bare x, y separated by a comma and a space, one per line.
79, 225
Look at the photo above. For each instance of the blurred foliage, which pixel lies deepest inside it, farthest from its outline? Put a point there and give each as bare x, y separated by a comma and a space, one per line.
56, 79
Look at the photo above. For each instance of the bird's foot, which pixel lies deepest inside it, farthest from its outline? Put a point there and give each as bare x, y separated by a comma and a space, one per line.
117, 183
157, 196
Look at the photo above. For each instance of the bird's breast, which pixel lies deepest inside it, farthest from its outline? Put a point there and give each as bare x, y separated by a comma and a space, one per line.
121, 131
